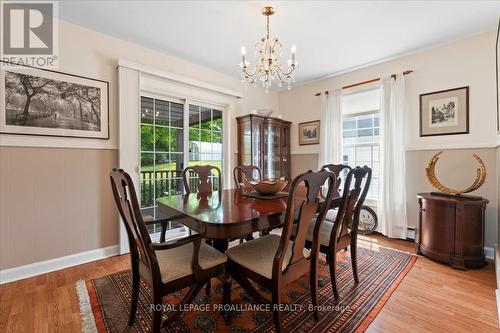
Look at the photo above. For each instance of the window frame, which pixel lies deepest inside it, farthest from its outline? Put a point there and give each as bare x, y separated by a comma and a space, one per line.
185, 149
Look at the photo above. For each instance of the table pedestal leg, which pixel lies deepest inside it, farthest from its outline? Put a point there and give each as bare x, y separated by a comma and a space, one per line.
220, 244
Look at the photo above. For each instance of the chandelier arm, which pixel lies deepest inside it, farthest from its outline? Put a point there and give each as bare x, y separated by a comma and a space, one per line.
289, 73
247, 73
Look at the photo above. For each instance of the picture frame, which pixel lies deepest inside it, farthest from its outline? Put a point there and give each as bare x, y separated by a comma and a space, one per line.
497, 58
42, 102
445, 112
309, 133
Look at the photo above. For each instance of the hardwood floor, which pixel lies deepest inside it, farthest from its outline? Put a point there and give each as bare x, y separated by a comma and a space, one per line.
432, 298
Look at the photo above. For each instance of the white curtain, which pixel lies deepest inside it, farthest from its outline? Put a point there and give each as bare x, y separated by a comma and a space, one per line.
330, 138
392, 196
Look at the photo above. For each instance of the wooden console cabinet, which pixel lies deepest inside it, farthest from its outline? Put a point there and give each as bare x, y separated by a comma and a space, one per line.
452, 230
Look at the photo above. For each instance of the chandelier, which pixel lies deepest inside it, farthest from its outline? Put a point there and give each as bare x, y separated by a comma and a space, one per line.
268, 68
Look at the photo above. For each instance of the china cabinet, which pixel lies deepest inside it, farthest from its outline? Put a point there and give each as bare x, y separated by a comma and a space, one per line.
264, 142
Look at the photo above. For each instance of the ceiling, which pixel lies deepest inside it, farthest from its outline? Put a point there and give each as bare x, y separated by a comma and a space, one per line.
331, 36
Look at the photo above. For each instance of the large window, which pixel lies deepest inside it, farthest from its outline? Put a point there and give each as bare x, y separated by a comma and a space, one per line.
163, 138
361, 133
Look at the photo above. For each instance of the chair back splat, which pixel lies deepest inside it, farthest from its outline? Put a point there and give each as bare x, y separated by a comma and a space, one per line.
337, 170
138, 236
354, 194
301, 213
243, 174
203, 175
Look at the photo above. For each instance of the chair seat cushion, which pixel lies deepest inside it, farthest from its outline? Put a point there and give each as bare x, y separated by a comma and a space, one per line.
324, 231
176, 263
331, 215
257, 255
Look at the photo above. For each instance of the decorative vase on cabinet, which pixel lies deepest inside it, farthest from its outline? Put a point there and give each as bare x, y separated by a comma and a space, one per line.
265, 143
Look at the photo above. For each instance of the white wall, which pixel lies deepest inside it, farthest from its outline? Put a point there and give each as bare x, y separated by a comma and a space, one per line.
467, 62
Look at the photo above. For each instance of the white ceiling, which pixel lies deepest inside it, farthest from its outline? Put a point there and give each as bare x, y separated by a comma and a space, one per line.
331, 36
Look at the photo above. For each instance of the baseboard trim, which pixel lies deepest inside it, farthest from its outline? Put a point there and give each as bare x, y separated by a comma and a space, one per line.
497, 271
489, 253
46, 266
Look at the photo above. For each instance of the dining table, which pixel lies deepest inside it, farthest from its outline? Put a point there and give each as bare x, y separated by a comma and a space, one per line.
226, 214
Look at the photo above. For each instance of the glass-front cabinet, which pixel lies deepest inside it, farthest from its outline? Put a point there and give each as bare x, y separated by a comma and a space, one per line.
264, 142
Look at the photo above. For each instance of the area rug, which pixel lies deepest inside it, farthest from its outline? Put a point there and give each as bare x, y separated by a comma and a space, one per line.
105, 301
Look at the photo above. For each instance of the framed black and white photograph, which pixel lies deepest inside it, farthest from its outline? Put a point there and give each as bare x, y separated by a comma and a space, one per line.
36, 101
309, 133
445, 112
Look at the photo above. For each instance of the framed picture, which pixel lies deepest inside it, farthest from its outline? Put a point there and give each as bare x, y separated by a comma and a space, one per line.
445, 112
309, 133
36, 101
498, 75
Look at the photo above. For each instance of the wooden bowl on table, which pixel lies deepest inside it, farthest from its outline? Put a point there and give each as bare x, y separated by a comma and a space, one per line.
268, 187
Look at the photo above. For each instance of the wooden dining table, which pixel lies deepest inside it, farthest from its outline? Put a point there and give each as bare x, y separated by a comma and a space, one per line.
225, 215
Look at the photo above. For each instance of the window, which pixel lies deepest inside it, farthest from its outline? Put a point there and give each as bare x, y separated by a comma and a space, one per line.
205, 139
163, 138
361, 133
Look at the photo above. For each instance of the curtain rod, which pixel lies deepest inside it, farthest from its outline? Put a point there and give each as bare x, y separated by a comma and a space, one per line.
406, 72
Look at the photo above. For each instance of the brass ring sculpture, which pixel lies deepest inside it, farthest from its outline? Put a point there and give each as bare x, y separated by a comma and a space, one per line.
478, 182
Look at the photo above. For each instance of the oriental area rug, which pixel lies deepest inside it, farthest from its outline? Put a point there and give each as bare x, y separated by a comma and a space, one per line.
105, 301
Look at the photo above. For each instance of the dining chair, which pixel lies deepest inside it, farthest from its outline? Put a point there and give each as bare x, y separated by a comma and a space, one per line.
337, 170
339, 233
166, 267
243, 174
203, 180
274, 261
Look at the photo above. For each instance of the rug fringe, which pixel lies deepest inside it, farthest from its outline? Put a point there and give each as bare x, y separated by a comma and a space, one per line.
86, 315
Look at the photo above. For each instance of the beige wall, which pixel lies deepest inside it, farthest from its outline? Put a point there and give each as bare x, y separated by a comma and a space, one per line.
467, 62
303, 162
55, 202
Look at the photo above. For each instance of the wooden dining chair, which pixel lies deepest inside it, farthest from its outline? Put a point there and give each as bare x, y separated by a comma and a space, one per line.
203, 178
338, 234
165, 267
243, 174
337, 170
274, 261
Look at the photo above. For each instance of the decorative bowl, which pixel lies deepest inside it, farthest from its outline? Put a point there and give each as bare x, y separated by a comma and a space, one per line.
268, 187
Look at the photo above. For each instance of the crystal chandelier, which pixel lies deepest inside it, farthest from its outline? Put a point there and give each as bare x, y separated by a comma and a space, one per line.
268, 68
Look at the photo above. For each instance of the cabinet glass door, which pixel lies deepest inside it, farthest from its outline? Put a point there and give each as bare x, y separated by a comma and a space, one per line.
256, 142
272, 151
285, 152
